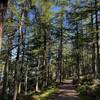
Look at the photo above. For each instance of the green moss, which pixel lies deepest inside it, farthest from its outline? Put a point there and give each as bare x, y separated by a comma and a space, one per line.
46, 94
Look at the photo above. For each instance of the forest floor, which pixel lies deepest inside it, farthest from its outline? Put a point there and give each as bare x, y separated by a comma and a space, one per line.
66, 92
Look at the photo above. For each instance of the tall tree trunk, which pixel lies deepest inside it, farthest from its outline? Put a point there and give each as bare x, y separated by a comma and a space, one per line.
26, 78
3, 7
77, 47
60, 55
45, 57
93, 46
60, 67
4, 93
22, 49
16, 67
1, 29
16, 71
26, 81
37, 75
6, 69
1, 23
97, 39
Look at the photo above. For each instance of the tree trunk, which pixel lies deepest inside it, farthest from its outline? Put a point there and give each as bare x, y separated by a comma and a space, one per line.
4, 90
1, 23
37, 75
26, 77
97, 39
77, 47
6, 69
3, 7
16, 91
60, 55
45, 58
16, 68
93, 47
1, 29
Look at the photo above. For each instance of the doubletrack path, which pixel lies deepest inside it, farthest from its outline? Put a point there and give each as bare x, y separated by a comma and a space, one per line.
66, 92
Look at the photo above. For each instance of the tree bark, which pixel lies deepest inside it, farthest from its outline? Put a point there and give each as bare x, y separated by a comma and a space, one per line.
77, 47
93, 47
97, 39
3, 7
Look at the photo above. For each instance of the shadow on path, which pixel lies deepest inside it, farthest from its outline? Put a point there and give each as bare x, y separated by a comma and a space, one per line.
66, 92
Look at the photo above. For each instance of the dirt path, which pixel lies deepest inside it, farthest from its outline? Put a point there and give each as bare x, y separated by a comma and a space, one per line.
66, 92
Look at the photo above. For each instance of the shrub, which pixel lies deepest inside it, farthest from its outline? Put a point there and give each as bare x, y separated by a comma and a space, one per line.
86, 80
82, 89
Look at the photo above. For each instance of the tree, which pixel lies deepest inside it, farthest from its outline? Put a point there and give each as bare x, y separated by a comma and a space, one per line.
3, 6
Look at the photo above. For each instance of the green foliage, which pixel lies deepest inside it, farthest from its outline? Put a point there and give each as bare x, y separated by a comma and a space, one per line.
82, 89
86, 92
33, 2
86, 80
90, 91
